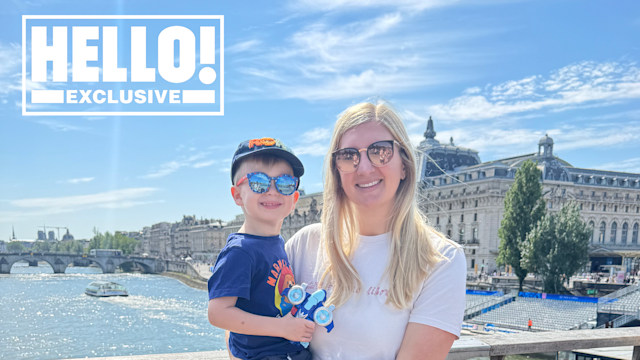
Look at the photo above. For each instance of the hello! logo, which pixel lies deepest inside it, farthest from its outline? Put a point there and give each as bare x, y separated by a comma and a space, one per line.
122, 65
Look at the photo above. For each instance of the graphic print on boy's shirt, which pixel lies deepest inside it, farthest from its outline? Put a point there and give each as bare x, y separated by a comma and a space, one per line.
281, 278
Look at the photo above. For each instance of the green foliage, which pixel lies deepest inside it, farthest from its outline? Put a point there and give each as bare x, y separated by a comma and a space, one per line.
41, 247
110, 241
67, 247
557, 247
15, 246
74, 247
523, 207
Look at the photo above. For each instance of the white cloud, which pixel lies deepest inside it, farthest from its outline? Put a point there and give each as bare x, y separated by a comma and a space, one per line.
83, 201
583, 84
10, 68
195, 161
242, 46
39, 207
59, 125
500, 141
314, 142
631, 165
165, 169
204, 164
331, 58
80, 180
343, 5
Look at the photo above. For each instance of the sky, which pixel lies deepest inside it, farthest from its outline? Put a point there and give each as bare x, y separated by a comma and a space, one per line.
494, 75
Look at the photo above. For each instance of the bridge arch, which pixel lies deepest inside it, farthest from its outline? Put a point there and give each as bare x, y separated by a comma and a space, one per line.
147, 269
59, 262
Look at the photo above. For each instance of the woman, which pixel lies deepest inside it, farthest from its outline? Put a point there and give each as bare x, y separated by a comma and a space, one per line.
398, 285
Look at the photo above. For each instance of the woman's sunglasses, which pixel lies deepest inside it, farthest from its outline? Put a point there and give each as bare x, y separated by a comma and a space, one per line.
379, 153
260, 183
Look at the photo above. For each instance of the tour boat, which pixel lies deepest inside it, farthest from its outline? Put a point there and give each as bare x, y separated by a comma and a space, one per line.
105, 288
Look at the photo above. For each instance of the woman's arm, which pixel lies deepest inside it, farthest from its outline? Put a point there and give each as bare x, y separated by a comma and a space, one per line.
227, 333
425, 342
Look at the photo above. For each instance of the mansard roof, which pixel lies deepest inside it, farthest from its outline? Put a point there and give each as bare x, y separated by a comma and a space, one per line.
458, 160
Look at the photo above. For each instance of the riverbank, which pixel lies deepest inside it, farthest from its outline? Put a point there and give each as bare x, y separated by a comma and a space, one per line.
186, 279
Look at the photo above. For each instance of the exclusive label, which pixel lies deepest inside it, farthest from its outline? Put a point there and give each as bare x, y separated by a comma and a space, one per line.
122, 65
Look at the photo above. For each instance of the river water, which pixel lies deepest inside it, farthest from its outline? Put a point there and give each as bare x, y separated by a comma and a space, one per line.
47, 316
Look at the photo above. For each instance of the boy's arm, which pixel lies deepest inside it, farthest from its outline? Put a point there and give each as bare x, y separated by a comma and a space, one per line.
224, 314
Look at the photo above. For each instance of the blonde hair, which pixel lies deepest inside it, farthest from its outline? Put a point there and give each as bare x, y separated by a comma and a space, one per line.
412, 254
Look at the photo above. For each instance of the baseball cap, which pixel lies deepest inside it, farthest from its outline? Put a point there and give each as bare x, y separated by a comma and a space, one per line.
266, 146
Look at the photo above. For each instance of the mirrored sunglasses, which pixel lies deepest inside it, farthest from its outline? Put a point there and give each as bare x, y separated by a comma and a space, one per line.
260, 183
379, 153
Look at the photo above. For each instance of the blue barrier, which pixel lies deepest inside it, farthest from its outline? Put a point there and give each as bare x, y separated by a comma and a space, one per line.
484, 292
585, 299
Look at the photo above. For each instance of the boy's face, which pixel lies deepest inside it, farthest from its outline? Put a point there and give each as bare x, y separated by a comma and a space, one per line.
267, 210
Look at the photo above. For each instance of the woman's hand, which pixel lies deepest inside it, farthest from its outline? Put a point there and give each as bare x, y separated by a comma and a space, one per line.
425, 342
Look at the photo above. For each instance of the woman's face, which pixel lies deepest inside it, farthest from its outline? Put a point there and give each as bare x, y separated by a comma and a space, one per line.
369, 186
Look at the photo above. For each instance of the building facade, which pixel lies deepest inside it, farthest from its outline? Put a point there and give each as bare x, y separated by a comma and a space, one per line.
464, 199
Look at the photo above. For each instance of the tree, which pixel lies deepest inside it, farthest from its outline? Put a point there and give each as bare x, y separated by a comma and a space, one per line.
41, 246
15, 246
557, 247
113, 241
523, 208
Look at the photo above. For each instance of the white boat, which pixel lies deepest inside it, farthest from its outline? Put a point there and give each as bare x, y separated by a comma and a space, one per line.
105, 288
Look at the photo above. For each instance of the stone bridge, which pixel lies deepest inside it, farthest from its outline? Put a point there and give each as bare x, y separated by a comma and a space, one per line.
60, 261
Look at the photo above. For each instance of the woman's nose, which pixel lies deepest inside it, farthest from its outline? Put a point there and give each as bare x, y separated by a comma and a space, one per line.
365, 164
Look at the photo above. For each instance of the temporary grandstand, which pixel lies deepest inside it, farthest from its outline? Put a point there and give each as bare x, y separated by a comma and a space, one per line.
623, 305
547, 312
550, 312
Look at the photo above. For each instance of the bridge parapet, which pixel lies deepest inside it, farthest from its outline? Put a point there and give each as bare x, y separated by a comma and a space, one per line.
493, 346
60, 261
500, 345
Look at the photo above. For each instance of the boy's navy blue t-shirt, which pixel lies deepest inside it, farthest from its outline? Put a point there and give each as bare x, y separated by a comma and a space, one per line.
256, 270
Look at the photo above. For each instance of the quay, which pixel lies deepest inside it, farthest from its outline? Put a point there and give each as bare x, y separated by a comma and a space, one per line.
494, 347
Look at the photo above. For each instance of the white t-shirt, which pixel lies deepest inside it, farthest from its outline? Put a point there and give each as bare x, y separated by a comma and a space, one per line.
366, 328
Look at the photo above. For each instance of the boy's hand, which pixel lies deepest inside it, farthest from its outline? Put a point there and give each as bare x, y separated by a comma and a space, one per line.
296, 329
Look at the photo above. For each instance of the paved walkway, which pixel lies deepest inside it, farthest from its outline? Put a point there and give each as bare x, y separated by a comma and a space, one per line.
203, 269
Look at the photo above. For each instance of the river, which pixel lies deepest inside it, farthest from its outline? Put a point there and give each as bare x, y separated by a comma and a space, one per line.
47, 316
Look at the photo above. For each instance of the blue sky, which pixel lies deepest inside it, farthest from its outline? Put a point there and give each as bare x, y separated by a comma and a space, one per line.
494, 75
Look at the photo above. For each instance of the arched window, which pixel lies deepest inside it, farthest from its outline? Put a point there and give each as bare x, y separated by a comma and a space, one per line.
592, 225
461, 235
634, 235
614, 231
625, 230
603, 228
475, 234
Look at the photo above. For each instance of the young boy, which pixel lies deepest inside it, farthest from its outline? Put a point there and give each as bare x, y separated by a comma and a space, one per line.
252, 271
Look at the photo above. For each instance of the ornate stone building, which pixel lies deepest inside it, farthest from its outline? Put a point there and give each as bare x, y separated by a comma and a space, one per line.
464, 198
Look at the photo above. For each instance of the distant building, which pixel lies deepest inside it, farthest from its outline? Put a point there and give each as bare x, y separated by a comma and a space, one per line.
464, 198
203, 239
67, 236
307, 211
